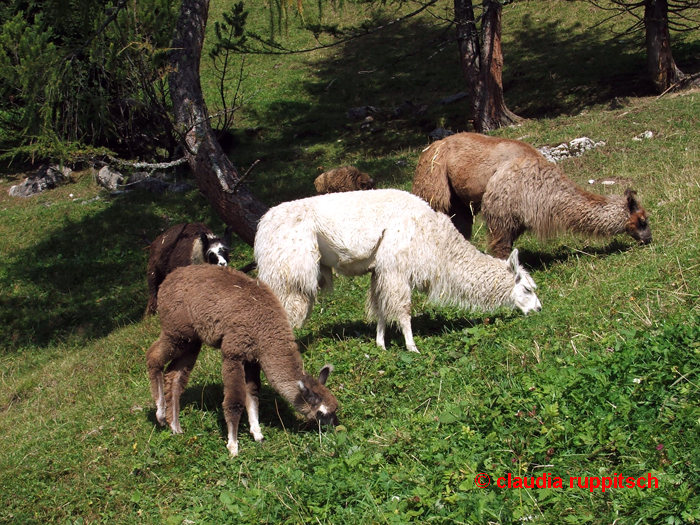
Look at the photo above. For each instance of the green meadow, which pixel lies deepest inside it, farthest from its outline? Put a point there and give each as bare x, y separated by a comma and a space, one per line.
603, 383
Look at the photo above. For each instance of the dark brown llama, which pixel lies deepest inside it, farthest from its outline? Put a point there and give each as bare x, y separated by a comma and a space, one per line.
453, 173
182, 245
226, 309
347, 178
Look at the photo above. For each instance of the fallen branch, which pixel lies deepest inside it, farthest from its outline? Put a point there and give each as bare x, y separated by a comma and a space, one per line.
688, 79
148, 165
241, 179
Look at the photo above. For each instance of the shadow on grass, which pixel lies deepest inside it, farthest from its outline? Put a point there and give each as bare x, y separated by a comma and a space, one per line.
88, 276
551, 68
274, 411
423, 324
541, 260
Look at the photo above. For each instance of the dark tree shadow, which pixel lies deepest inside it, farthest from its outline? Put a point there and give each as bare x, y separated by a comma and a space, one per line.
541, 260
551, 68
274, 411
89, 276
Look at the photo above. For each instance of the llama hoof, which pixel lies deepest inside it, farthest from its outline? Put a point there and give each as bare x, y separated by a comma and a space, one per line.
160, 417
257, 436
176, 429
413, 348
233, 448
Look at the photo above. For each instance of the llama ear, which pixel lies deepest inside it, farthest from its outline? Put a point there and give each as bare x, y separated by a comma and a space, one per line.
632, 202
227, 236
205, 241
513, 262
302, 387
324, 373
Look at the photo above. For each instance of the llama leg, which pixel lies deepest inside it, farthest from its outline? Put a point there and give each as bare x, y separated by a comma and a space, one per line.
176, 377
298, 306
501, 240
374, 309
405, 324
462, 215
327, 278
381, 331
157, 356
393, 294
154, 280
234, 399
252, 387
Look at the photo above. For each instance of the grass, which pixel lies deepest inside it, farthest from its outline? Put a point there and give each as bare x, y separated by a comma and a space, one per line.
603, 381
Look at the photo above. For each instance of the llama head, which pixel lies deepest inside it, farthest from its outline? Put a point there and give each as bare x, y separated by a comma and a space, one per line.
637, 225
364, 181
315, 401
523, 293
215, 248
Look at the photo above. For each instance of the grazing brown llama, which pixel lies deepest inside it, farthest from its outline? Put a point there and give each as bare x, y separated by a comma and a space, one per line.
453, 173
182, 245
226, 309
347, 178
529, 193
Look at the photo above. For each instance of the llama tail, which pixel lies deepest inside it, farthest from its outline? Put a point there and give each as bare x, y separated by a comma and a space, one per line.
288, 258
430, 181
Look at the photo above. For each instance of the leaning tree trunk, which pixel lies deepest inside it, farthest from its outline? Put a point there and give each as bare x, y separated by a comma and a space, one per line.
214, 173
662, 67
482, 64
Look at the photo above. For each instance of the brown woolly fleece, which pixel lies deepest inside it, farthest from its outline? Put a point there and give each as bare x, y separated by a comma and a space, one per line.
453, 175
226, 309
180, 245
347, 178
529, 193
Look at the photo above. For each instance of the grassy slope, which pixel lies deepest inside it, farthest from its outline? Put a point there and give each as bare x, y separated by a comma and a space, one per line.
603, 381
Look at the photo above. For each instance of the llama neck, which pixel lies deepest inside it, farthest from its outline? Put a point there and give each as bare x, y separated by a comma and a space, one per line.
468, 278
283, 367
593, 214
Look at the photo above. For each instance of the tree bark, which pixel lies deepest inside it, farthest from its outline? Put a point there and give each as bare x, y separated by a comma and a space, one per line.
482, 64
214, 173
662, 67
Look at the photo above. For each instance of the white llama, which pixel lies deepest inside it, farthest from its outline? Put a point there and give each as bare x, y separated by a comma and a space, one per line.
396, 237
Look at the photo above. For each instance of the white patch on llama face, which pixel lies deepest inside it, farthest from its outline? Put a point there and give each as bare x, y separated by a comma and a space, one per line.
524, 294
217, 254
324, 410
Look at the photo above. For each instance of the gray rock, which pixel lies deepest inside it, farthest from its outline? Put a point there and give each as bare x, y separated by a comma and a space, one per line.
575, 148
180, 187
142, 180
46, 178
440, 133
109, 179
361, 112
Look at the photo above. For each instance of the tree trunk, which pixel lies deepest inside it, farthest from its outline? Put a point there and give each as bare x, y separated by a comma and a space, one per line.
482, 64
662, 67
214, 173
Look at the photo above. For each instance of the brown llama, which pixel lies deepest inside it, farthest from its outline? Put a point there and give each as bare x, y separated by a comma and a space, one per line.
228, 310
182, 245
529, 193
347, 178
453, 173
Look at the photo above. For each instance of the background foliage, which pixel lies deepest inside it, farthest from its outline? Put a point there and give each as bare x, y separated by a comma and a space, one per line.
604, 380
67, 77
